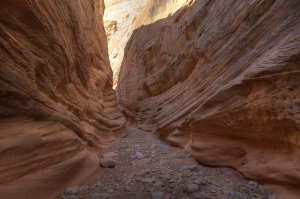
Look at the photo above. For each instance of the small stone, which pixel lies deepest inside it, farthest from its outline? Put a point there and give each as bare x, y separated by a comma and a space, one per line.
153, 156
158, 195
197, 195
192, 168
158, 184
197, 182
72, 190
127, 188
128, 181
192, 188
147, 180
172, 185
189, 156
110, 155
127, 149
110, 191
139, 155
107, 162
99, 184
259, 191
252, 185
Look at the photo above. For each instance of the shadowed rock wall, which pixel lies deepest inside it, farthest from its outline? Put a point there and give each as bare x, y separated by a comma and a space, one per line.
220, 79
57, 105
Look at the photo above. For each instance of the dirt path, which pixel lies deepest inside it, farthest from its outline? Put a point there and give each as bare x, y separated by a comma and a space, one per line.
164, 172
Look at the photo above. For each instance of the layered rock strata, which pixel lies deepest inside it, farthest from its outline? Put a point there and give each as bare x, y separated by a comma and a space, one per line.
57, 105
221, 80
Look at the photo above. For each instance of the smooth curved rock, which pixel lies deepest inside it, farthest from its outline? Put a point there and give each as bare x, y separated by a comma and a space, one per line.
57, 105
221, 80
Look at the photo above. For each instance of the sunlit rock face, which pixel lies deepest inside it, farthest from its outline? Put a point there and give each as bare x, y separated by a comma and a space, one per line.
120, 20
220, 79
57, 105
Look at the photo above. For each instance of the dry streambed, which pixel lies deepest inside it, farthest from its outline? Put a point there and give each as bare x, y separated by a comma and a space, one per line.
147, 167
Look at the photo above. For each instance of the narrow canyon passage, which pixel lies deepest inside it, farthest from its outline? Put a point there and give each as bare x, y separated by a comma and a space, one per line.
217, 79
148, 168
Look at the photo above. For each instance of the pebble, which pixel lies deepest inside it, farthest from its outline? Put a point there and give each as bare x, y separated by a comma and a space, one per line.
147, 180
158, 183
158, 195
127, 188
252, 185
192, 188
99, 184
197, 195
110, 191
139, 155
110, 155
107, 163
72, 190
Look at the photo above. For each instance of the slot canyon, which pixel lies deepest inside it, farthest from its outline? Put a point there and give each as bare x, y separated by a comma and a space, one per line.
183, 98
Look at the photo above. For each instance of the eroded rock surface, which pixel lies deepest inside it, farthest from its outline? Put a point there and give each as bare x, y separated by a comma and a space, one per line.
57, 105
221, 80
121, 19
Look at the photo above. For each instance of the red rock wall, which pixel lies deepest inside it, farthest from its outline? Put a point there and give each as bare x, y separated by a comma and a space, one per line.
57, 105
220, 79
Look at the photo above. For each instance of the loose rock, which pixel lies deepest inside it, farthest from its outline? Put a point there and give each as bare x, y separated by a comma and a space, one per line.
252, 185
110, 155
139, 155
107, 162
158, 195
192, 188
72, 190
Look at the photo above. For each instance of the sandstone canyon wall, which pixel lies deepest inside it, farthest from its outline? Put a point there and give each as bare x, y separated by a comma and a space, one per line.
220, 79
57, 105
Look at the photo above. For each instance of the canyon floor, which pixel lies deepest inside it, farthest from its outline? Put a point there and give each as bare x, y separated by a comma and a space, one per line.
147, 167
